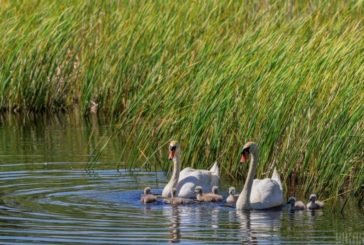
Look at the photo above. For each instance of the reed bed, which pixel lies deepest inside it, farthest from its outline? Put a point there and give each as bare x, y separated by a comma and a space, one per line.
212, 74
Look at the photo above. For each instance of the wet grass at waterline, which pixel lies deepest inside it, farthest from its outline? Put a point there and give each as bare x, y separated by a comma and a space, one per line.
210, 74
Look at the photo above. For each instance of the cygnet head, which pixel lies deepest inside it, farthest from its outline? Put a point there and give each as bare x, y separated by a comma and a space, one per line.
198, 190
313, 197
147, 190
248, 148
232, 190
173, 149
215, 189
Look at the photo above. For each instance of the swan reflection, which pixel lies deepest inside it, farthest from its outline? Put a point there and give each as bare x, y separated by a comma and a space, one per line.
258, 226
189, 216
172, 214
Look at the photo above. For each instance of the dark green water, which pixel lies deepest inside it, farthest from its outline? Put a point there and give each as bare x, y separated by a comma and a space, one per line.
49, 194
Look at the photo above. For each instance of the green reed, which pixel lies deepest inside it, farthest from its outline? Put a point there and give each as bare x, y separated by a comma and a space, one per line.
211, 74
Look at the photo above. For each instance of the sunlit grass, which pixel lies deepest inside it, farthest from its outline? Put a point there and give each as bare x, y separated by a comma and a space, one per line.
211, 74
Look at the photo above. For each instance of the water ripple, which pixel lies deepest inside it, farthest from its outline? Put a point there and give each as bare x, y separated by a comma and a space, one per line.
74, 206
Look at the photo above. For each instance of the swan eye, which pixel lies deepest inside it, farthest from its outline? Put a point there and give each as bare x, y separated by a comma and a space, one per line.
172, 148
245, 151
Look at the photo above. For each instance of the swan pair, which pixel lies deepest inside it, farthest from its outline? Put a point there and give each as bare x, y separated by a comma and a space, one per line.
299, 205
256, 193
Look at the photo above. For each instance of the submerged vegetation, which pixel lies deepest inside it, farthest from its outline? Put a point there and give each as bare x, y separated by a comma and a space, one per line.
212, 74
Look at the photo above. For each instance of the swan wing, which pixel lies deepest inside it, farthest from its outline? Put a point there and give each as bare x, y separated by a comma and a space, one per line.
185, 172
215, 169
266, 193
188, 182
277, 178
211, 178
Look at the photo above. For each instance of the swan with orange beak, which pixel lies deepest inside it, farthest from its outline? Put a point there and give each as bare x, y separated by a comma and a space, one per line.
185, 181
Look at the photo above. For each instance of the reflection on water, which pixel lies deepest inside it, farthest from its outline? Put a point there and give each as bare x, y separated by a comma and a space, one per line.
44, 199
71, 206
172, 213
252, 223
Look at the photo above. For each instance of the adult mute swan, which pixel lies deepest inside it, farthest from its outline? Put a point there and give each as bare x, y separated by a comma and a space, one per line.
186, 181
258, 193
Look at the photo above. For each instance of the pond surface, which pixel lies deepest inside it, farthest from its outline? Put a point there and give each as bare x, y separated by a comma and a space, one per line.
48, 194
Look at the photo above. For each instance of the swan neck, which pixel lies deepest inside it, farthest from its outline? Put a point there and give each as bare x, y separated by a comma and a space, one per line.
172, 183
245, 194
176, 170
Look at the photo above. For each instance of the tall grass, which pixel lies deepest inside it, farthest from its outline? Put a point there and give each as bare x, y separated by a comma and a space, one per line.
212, 74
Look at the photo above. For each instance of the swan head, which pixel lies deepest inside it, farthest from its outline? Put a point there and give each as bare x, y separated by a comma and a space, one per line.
198, 190
147, 190
313, 197
173, 149
248, 148
291, 200
215, 189
232, 190
174, 192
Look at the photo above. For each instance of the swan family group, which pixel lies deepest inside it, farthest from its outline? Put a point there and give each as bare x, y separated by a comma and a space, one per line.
195, 185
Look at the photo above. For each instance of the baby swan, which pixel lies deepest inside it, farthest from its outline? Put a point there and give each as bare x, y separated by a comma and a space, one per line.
174, 200
295, 205
231, 199
148, 197
215, 193
314, 204
208, 197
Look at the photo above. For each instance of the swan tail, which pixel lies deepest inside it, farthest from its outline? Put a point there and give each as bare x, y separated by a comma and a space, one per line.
215, 169
276, 177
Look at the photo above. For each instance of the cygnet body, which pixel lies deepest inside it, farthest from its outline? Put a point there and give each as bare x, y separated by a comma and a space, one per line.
148, 197
208, 197
231, 199
295, 205
175, 200
314, 203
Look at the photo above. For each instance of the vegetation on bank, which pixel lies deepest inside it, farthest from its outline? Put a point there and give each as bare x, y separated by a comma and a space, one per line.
212, 74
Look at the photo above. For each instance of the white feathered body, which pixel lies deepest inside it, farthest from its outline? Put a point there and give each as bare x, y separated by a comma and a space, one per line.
189, 178
267, 193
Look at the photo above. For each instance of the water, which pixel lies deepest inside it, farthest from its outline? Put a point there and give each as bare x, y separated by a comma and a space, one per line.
49, 195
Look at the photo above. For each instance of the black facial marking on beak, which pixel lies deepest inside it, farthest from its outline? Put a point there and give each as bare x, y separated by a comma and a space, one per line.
245, 151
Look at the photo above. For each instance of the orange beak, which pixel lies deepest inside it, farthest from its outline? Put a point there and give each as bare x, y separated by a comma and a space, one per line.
243, 158
171, 155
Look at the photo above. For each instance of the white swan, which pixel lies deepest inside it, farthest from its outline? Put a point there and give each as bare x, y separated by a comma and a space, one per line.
187, 180
260, 193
